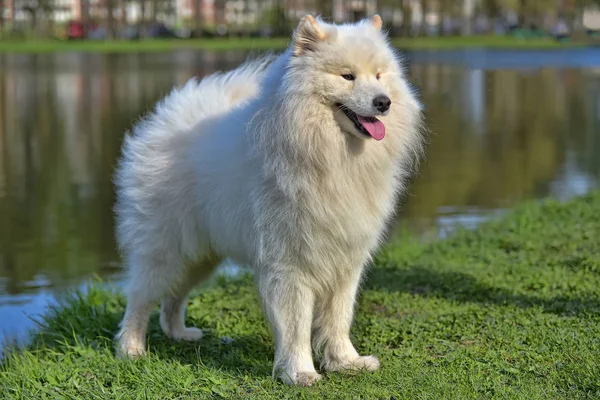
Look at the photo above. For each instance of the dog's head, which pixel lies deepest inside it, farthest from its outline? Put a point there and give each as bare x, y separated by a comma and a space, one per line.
350, 68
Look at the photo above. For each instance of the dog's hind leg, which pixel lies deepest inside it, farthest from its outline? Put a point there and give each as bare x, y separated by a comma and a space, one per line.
172, 315
150, 279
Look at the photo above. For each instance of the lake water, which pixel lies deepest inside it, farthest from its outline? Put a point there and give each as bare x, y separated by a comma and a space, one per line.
508, 126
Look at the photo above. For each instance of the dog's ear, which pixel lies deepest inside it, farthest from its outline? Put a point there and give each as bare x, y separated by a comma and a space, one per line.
377, 22
307, 35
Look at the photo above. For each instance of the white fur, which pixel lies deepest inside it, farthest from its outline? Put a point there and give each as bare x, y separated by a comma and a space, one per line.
260, 166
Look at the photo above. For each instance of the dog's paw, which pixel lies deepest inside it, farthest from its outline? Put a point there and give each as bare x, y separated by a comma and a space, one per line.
360, 364
130, 349
307, 378
187, 334
366, 363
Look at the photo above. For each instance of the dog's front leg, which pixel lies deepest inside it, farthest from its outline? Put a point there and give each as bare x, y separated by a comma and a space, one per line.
289, 306
334, 310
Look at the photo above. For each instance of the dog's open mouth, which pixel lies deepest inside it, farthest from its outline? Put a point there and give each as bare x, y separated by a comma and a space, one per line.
368, 126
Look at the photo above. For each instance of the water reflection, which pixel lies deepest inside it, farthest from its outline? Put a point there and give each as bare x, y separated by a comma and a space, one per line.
500, 136
503, 136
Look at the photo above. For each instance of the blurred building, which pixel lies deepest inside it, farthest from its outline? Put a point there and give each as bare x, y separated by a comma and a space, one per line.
211, 13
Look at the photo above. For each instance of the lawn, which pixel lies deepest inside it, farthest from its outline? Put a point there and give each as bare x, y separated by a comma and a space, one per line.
433, 43
510, 310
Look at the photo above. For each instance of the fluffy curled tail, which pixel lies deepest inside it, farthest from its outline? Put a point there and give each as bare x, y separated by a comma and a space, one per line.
184, 107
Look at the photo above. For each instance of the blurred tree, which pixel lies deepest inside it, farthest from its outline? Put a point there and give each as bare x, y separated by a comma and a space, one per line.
449, 10
585, 3
531, 10
425, 8
522, 12
492, 9
142, 19
278, 18
406, 17
123, 14
444, 11
387, 10
197, 17
325, 9
84, 12
153, 11
110, 20
38, 11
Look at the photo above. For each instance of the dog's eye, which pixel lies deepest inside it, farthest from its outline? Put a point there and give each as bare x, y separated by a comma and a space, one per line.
348, 77
378, 75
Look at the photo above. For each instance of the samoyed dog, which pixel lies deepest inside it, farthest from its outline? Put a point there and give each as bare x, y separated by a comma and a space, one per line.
291, 165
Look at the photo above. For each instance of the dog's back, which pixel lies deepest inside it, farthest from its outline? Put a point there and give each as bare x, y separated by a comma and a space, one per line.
157, 143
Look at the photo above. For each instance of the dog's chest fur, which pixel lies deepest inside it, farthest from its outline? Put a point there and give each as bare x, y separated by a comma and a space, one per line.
336, 215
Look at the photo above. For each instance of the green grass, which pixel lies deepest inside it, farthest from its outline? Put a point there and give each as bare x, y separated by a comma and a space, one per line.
510, 310
492, 42
49, 46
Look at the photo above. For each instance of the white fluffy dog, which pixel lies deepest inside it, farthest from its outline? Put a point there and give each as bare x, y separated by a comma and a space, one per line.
291, 165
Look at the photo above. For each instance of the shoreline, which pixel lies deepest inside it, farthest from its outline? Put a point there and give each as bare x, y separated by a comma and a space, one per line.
219, 44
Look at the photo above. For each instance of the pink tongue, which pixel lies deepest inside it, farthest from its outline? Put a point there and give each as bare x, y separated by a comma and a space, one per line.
374, 126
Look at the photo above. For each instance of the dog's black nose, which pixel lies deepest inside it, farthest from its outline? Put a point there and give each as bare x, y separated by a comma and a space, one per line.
382, 103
